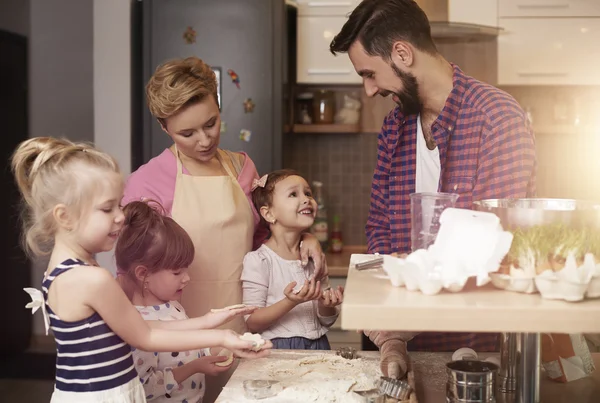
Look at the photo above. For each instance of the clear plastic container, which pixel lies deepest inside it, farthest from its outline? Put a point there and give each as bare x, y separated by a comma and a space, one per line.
425, 211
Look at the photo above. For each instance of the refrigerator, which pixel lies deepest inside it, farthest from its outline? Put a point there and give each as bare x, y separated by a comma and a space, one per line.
252, 41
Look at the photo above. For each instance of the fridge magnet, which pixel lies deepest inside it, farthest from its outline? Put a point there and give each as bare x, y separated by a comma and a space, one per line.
248, 105
245, 135
189, 35
217, 71
234, 78
223, 127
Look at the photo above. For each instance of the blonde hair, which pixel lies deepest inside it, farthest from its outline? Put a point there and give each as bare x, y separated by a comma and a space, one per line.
179, 83
48, 172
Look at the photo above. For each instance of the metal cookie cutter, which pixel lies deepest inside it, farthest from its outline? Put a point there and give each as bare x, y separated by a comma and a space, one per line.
348, 353
369, 264
394, 388
260, 389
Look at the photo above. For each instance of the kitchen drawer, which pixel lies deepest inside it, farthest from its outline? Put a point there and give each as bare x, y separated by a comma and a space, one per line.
549, 8
326, 7
549, 51
315, 63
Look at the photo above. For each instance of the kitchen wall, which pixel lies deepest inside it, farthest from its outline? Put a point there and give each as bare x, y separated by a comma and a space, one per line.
345, 164
79, 64
566, 121
14, 16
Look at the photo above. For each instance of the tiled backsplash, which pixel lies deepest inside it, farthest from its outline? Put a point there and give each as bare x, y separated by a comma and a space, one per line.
345, 164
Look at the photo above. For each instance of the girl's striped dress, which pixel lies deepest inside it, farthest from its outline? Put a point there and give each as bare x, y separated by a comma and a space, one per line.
93, 364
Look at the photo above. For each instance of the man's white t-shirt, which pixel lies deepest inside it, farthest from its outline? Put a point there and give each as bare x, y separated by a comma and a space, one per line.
428, 164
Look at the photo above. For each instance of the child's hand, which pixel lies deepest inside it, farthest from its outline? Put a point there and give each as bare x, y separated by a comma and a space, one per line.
332, 297
206, 365
243, 348
216, 319
310, 291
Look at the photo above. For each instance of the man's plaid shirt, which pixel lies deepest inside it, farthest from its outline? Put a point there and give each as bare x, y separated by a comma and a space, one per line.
487, 151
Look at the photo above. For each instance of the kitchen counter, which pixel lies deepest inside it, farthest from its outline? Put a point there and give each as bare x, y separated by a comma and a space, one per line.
430, 378
371, 302
338, 263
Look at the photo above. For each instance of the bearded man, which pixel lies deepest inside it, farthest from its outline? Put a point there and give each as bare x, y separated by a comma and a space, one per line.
448, 133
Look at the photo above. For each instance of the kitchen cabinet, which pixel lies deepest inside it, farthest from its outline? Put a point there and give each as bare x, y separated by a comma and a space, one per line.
315, 63
478, 12
326, 7
549, 8
549, 51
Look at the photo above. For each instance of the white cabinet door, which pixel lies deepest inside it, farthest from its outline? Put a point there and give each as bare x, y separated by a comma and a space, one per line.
340, 8
480, 12
549, 51
315, 63
549, 8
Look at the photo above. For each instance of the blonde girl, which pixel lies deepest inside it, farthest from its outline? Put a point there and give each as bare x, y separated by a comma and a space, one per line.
72, 193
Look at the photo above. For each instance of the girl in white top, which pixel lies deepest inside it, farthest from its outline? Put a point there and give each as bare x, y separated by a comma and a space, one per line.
153, 251
295, 311
72, 193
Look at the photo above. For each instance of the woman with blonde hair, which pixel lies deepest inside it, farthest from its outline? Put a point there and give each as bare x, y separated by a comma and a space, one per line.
205, 189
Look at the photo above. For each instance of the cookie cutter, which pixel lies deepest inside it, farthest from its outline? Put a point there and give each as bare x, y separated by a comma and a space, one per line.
394, 388
348, 353
260, 389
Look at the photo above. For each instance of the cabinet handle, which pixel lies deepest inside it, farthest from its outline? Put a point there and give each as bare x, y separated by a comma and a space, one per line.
327, 72
329, 4
541, 74
542, 6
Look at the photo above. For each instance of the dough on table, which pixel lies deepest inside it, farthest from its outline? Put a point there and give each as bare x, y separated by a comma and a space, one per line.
259, 342
228, 308
225, 353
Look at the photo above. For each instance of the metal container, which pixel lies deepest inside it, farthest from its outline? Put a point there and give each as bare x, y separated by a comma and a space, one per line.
524, 213
471, 381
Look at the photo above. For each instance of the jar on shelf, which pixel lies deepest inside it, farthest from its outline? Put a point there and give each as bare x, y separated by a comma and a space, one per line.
304, 108
323, 107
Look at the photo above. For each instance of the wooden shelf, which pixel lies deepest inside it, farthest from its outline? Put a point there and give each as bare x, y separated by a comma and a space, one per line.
370, 302
331, 128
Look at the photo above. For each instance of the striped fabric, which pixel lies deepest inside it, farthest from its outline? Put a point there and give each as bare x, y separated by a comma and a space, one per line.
90, 356
487, 150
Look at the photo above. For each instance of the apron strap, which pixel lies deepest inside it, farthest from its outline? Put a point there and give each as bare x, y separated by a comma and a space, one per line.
224, 164
237, 165
179, 165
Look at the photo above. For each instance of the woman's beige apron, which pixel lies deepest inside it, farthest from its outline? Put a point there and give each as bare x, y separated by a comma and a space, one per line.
215, 212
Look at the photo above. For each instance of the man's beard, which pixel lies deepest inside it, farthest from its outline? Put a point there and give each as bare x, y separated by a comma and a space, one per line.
408, 100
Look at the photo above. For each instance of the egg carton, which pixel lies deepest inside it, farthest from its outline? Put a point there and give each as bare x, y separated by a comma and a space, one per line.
581, 282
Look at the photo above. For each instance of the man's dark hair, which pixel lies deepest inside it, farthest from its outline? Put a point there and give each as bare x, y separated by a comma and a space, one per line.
377, 24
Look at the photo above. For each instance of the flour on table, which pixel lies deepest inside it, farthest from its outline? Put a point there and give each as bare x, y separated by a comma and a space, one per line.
322, 378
